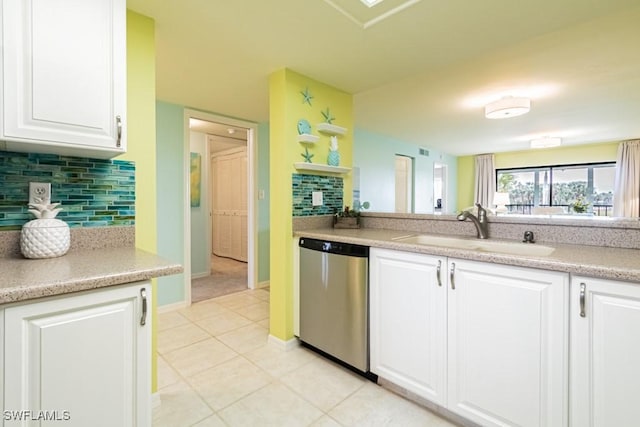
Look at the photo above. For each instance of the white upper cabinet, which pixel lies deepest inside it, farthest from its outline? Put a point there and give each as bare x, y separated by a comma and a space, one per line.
605, 351
64, 76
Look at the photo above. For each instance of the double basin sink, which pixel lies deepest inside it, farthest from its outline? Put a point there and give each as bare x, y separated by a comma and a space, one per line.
512, 248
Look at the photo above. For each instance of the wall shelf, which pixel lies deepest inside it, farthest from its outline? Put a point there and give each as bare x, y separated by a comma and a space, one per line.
317, 167
330, 129
306, 138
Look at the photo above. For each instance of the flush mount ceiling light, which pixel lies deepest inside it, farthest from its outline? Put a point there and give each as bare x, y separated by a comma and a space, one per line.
545, 142
507, 107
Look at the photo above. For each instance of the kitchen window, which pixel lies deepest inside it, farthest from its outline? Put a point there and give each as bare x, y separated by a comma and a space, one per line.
578, 188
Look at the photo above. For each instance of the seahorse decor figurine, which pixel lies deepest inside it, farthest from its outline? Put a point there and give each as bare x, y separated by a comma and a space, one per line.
334, 155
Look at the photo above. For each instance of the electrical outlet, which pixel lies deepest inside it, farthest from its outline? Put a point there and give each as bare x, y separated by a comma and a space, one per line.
316, 198
39, 193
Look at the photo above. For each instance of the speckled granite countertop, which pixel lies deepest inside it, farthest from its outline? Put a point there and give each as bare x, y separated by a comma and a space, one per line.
593, 261
24, 279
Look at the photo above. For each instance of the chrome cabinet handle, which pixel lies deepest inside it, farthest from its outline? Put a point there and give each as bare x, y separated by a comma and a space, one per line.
451, 276
583, 289
438, 273
143, 319
119, 129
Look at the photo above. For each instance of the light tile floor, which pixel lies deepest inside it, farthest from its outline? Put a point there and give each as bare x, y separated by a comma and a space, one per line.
216, 368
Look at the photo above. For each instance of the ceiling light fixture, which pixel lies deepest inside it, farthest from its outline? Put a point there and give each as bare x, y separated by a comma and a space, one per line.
507, 107
231, 131
370, 3
546, 142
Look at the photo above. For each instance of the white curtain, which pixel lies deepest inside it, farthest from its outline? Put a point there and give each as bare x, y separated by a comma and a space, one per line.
485, 180
626, 196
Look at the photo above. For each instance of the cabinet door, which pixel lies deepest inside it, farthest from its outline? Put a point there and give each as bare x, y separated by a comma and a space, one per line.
508, 336
64, 74
85, 358
408, 321
605, 351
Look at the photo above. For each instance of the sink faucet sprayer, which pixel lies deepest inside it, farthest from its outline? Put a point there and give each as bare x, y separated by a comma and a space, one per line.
480, 221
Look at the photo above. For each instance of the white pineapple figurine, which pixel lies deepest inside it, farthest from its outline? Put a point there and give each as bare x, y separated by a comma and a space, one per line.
334, 156
45, 236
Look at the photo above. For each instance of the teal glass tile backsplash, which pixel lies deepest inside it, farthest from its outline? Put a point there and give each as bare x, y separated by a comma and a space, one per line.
92, 192
332, 194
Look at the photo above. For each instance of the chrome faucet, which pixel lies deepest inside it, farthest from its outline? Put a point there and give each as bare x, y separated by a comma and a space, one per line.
480, 221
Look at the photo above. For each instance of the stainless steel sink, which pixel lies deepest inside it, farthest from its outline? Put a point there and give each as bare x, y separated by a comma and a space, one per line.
514, 248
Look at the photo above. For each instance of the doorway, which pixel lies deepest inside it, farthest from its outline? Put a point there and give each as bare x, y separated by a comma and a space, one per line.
404, 184
440, 187
216, 146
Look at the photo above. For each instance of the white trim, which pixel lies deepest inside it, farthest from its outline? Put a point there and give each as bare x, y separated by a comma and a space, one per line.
295, 250
156, 401
186, 166
171, 307
317, 167
252, 209
284, 345
263, 284
375, 20
200, 275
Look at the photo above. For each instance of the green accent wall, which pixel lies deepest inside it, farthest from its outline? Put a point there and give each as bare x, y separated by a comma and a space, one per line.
374, 155
285, 110
574, 154
171, 197
466, 181
141, 95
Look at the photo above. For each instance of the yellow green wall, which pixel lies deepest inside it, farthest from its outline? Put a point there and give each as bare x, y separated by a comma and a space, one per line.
286, 108
141, 137
543, 157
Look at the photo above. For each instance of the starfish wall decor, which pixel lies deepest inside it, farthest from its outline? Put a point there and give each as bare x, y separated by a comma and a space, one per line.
306, 96
307, 156
328, 118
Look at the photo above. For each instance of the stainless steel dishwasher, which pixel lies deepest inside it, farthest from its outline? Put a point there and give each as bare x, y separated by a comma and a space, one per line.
334, 299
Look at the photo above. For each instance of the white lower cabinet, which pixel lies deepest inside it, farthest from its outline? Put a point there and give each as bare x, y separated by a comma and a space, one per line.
408, 321
605, 353
79, 360
488, 342
507, 344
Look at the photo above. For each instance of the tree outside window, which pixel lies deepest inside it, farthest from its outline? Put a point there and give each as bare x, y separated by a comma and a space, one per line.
576, 188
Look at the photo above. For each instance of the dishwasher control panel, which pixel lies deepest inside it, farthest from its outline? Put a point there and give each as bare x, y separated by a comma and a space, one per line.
334, 247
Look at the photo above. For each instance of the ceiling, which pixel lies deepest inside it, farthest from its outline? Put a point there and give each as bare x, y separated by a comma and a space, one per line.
420, 71
221, 136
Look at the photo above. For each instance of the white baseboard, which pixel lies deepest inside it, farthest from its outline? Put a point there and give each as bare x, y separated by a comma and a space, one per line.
172, 307
155, 400
264, 284
200, 275
284, 345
